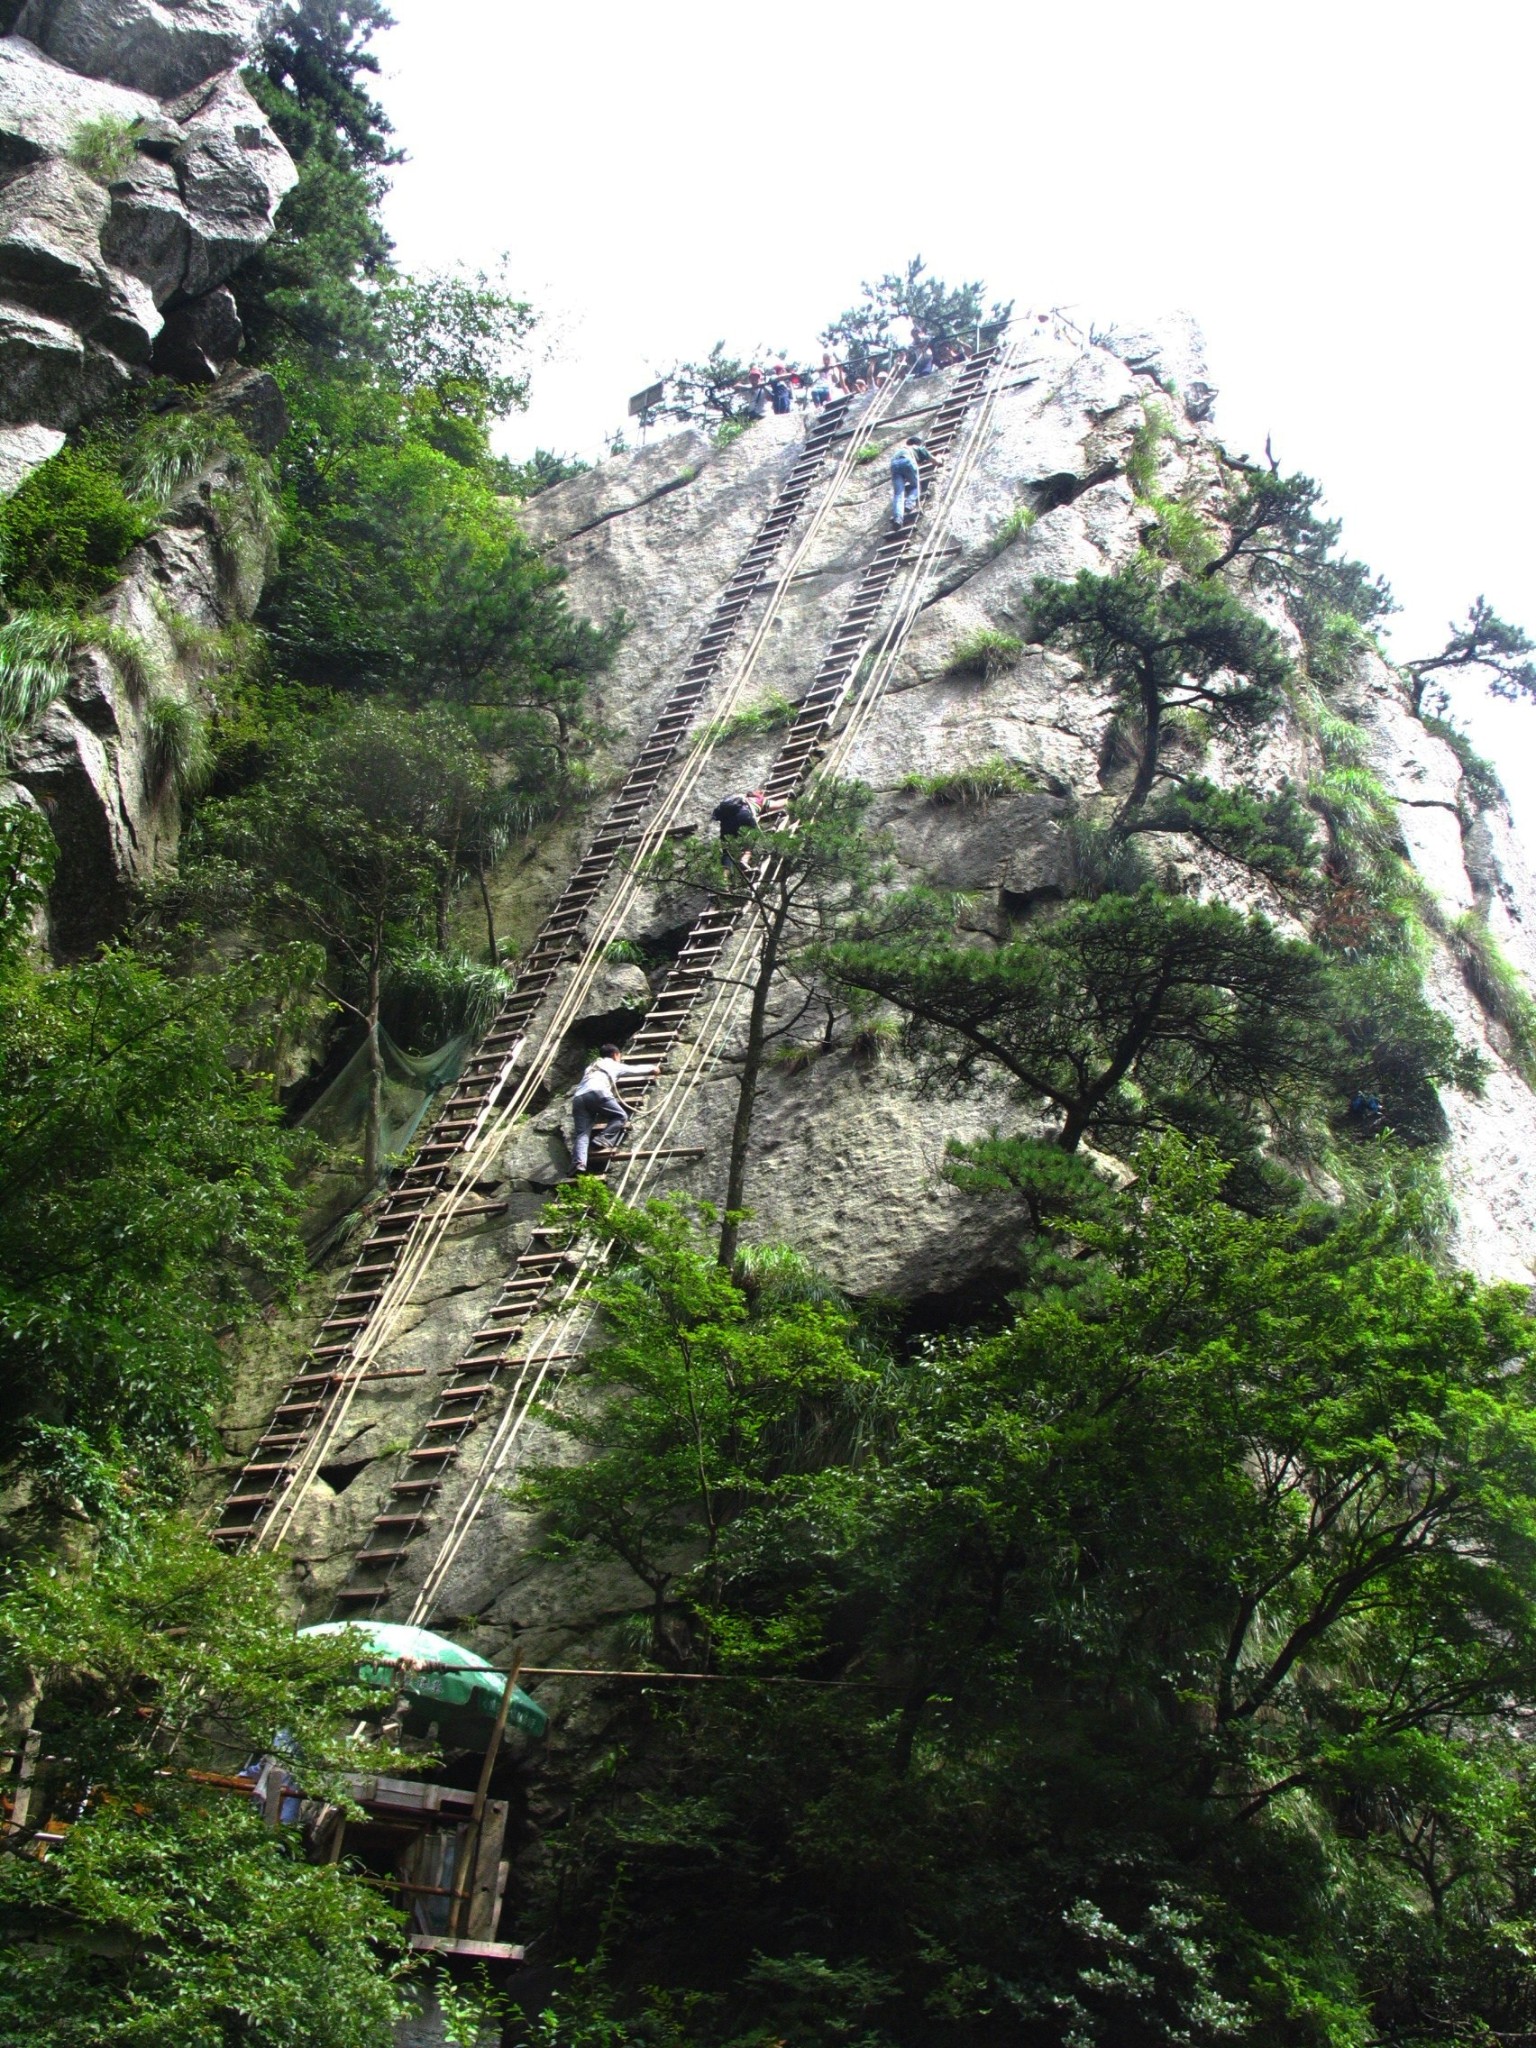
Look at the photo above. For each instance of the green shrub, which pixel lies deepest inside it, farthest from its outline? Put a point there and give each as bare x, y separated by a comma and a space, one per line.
179, 753
1018, 522
1498, 987
976, 785
984, 653
104, 147
1480, 775
729, 431
64, 534
876, 1040
34, 669
1141, 464
870, 452
774, 712
170, 449
433, 996
1182, 534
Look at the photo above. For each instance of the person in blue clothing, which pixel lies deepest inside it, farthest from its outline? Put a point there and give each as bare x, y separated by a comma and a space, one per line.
906, 481
1366, 1112
924, 365
783, 393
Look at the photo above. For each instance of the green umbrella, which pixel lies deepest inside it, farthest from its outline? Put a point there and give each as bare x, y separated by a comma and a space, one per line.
435, 1671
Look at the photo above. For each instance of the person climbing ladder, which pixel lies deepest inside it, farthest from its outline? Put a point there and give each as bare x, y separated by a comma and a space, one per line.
906, 479
597, 1107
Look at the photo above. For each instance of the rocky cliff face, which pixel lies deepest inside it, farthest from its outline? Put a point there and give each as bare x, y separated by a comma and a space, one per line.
136, 175
848, 1155
91, 764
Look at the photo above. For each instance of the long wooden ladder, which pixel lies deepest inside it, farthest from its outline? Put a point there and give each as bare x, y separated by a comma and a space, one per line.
301, 1411
489, 1368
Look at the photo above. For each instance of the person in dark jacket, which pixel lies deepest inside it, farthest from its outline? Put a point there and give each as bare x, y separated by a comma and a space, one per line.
735, 815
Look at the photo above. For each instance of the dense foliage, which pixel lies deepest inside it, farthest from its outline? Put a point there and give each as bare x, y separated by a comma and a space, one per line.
167, 1911
144, 1199
1163, 1657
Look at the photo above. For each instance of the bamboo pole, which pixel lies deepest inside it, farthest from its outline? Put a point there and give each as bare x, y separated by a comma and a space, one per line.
464, 1879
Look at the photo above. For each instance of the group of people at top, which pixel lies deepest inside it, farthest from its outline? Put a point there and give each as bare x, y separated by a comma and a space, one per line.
776, 389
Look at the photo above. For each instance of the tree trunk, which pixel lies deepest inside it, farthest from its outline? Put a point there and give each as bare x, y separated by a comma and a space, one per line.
1146, 767
375, 1118
751, 1070
1075, 1128
490, 915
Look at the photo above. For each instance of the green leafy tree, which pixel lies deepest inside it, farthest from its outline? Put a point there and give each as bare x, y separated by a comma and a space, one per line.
1273, 836
307, 287
1166, 648
1499, 653
143, 1203
694, 1439
163, 1909
1115, 1013
1161, 1658
1275, 531
714, 392
349, 843
543, 469
404, 570
868, 333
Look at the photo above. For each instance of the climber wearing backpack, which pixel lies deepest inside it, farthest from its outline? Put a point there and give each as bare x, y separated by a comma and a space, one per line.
597, 1106
735, 815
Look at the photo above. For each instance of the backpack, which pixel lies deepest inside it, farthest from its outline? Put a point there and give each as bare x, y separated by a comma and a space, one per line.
734, 814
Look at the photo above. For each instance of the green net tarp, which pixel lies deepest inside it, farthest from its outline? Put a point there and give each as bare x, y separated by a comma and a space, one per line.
410, 1082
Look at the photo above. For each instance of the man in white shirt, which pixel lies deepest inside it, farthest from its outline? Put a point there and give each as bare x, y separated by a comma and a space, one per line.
596, 1104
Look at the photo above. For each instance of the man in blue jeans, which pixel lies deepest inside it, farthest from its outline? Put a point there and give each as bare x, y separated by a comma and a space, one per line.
596, 1104
906, 484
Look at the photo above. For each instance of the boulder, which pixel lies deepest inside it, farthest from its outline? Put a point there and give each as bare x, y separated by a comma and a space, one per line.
128, 321
22, 449
200, 340
233, 174
94, 252
44, 105
51, 218
253, 399
162, 47
1171, 349
42, 364
149, 232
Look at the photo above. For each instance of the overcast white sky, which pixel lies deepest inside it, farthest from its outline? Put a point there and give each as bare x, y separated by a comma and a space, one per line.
1340, 192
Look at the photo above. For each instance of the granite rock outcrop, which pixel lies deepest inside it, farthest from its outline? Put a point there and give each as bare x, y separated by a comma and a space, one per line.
848, 1151
137, 173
